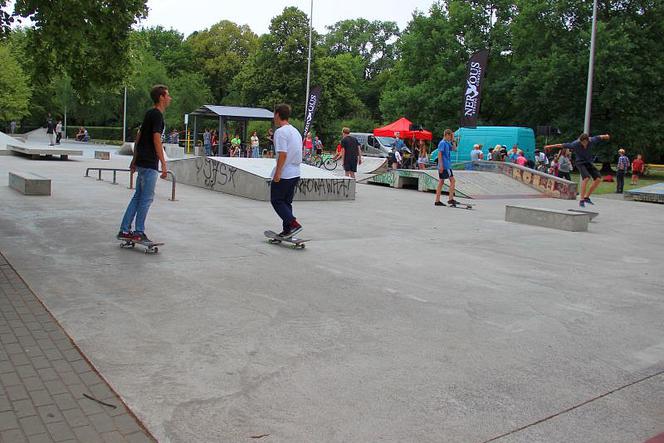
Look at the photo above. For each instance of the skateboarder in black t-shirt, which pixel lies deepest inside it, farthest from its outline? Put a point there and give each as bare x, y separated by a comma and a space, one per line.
148, 154
584, 163
350, 153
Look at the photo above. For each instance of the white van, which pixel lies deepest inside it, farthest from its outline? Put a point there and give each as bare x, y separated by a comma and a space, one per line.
374, 146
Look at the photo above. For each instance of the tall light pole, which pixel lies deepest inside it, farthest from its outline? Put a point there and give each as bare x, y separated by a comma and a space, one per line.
306, 99
124, 118
591, 71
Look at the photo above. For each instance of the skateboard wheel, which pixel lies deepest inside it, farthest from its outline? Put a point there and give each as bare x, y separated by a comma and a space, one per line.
156, 250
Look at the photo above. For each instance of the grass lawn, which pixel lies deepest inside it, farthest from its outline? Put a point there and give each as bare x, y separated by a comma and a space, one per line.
608, 187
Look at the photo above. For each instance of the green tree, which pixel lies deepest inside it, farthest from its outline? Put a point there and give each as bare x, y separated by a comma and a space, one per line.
149, 73
14, 90
373, 41
189, 91
549, 63
277, 72
88, 39
168, 47
627, 95
220, 53
339, 78
426, 83
549, 66
64, 96
6, 19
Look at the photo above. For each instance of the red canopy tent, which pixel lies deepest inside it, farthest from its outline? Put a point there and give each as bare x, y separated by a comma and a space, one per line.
402, 126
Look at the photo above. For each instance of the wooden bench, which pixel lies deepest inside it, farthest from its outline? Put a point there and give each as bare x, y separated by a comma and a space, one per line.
547, 218
29, 184
102, 155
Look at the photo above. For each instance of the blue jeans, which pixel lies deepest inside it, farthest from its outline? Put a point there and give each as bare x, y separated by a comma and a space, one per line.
208, 150
255, 152
281, 197
139, 205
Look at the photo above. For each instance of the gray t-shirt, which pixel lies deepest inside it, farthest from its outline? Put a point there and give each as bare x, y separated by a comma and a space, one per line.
564, 165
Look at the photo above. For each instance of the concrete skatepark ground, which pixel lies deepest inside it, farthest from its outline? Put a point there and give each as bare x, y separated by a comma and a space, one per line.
399, 322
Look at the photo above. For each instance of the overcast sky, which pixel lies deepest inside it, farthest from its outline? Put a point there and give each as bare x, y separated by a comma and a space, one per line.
195, 15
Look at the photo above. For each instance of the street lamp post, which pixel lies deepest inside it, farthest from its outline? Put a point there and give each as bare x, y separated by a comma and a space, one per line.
124, 118
591, 71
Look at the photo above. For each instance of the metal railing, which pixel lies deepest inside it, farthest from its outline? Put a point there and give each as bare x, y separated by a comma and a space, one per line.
131, 177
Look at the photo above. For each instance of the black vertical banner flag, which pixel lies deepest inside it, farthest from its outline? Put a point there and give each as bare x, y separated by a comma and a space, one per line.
312, 105
470, 110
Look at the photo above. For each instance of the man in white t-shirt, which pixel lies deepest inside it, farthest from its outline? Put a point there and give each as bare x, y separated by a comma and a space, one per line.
288, 146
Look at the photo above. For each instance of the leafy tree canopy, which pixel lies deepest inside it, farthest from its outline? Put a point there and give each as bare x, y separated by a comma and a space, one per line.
86, 38
220, 52
14, 90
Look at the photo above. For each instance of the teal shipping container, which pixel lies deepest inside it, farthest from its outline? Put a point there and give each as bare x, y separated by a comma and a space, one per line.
489, 137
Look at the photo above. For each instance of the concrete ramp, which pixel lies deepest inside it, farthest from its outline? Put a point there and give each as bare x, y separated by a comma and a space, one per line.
6, 140
372, 165
480, 185
653, 193
251, 178
471, 184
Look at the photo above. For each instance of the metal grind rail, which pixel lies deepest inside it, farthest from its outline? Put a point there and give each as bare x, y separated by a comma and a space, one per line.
131, 177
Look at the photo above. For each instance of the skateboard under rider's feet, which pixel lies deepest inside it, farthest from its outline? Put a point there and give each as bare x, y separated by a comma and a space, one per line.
274, 238
150, 247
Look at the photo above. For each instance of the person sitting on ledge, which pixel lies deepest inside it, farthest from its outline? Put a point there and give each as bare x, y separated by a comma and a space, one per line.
82, 135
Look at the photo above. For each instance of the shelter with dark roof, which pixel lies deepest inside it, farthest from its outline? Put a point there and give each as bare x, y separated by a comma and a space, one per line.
229, 113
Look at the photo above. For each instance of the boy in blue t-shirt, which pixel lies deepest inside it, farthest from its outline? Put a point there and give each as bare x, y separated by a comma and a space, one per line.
445, 146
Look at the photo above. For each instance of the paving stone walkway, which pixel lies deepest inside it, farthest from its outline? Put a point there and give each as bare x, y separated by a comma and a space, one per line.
48, 391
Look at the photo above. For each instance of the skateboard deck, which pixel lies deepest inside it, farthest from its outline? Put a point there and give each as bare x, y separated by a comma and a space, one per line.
460, 206
273, 238
150, 248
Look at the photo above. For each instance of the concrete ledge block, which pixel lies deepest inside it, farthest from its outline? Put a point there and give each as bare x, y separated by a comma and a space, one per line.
29, 184
591, 214
102, 155
36, 153
547, 218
